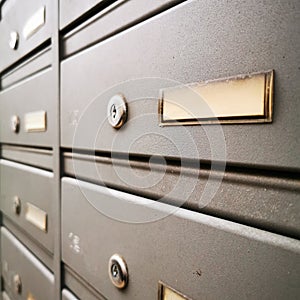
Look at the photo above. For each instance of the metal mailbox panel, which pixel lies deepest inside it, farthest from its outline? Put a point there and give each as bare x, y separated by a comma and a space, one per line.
5, 296
262, 200
32, 103
114, 18
70, 10
40, 158
37, 282
33, 211
67, 295
24, 25
198, 255
192, 42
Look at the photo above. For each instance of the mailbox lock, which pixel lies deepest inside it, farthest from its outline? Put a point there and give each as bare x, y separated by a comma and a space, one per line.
15, 123
17, 284
17, 205
14, 40
117, 111
118, 272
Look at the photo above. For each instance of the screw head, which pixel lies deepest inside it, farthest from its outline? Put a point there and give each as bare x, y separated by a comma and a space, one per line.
117, 111
117, 271
17, 205
17, 284
15, 124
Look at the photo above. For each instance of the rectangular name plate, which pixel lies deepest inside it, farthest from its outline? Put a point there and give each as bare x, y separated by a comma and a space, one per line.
36, 217
35, 121
35, 22
240, 99
167, 293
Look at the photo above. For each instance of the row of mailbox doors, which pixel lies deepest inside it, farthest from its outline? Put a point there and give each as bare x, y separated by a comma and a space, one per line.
195, 255
135, 70
158, 243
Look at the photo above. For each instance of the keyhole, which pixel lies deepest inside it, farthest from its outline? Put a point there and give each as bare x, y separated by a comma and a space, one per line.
115, 270
113, 111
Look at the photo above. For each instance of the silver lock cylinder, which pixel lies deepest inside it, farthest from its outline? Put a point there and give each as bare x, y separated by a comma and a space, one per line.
117, 271
17, 205
117, 111
15, 124
17, 284
13, 40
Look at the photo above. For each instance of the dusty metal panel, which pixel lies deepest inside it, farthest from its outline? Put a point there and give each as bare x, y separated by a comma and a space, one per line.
116, 17
22, 189
195, 254
32, 95
37, 282
23, 27
254, 197
211, 50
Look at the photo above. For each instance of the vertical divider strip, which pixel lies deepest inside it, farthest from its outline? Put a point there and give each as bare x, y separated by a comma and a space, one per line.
56, 151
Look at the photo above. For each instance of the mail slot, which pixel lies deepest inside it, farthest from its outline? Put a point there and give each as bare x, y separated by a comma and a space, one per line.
199, 188
41, 158
24, 276
193, 254
29, 208
172, 58
23, 27
71, 11
112, 17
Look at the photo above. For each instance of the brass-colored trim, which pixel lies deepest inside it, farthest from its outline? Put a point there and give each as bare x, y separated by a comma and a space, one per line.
161, 292
264, 117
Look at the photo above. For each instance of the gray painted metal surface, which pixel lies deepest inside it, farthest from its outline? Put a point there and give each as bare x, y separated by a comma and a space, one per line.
80, 287
194, 41
36, 280
33, 187
198, 255
67, 295
116, 17
5, 296
70, 10
266, 200
46, 257
31, 156
32, 95
15, 15
40, 61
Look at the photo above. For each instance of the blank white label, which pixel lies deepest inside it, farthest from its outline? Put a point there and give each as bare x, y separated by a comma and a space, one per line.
35, 22
36, 216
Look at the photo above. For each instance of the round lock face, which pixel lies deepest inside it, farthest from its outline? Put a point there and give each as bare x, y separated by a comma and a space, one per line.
117, 111
117, 271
